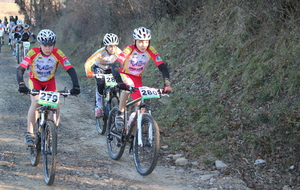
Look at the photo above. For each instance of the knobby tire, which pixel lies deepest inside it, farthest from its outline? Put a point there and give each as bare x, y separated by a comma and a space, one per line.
115, 145
145, 157
49, 150
18, 54
35, 151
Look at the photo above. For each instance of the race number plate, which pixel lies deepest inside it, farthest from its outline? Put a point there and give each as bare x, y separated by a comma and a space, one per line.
48, 98
110, 80
148, 93
26, 45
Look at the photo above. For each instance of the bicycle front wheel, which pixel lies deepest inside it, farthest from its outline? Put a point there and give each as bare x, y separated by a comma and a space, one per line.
146, 153
114, 141
102, 121
35, 151
49, 150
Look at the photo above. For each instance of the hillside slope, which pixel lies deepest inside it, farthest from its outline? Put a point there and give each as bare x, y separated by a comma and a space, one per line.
234, 70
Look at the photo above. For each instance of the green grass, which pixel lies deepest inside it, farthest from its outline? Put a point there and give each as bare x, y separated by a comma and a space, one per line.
235, 76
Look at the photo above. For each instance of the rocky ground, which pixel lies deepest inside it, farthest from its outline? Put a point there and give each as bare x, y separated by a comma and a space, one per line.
83, 161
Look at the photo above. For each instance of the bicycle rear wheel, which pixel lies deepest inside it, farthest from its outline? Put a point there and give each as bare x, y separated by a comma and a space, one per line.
49, 150
146, 155
35, 151
114, 137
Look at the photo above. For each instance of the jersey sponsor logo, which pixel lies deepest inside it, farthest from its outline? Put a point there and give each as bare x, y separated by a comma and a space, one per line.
67, 63
158, 59
44, 67
43, 74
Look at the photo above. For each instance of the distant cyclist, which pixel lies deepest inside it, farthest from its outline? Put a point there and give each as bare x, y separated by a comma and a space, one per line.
25, 35
17, 29
2, 28
130, 65
102, 59
11, 34
44, 61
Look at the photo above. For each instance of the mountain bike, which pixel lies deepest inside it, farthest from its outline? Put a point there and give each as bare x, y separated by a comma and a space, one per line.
110, 99
45, 133
141, 131
21, 52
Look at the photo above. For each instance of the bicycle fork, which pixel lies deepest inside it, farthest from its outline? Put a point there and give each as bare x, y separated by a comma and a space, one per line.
43, 124
139, 126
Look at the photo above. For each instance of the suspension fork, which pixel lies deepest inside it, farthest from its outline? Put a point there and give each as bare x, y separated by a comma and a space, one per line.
142, 107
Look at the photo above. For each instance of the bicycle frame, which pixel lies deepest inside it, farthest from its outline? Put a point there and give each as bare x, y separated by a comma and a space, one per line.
44, 113
139, 116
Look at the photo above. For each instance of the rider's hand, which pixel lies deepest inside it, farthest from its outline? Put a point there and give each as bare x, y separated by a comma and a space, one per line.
75, 90
167, 88
23, 88
90, 74
33, 41
122, 86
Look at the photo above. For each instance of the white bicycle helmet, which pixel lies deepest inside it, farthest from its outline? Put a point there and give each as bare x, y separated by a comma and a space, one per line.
111, 39
19, 22
26, 26
46, 37
141, 33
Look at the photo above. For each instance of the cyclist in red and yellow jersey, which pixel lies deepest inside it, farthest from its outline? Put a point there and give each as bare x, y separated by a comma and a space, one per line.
101, 62
130, 65
43, 62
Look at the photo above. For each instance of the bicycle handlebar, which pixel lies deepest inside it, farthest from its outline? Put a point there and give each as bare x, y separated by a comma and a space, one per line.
161, 92
20, 41
64, 92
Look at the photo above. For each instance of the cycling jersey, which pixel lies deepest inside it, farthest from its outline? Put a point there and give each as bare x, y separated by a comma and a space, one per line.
133, 61
18, 29
44, 67
102, 59
26, 35
2, 26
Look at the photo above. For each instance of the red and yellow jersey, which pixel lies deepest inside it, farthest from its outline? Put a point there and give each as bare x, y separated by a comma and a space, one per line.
133, 61
102, 59
43, 68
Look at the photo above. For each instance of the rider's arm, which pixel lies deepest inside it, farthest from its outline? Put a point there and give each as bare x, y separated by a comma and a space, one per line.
91, 60
73, 76
115, 71
164, 70
20, 73
33, 36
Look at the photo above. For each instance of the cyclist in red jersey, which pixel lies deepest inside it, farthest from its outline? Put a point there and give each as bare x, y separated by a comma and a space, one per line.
43, 62
129, 67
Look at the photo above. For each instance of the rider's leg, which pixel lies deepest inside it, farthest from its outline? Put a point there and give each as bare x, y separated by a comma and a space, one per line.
31, 117
99, 92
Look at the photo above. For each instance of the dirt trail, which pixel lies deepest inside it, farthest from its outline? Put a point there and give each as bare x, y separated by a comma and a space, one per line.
83, 161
